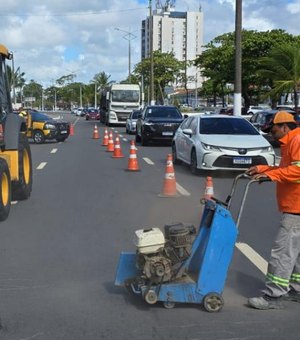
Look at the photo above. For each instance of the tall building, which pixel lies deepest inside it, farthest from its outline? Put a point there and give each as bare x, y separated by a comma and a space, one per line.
177, 32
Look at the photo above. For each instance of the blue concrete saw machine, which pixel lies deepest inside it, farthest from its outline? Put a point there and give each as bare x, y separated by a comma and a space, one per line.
183, 265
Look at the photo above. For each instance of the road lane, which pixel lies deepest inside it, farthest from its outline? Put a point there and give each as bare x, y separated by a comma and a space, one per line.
60, 250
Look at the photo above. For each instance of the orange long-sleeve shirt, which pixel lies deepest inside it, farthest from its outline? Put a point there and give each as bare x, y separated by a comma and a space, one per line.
287, 174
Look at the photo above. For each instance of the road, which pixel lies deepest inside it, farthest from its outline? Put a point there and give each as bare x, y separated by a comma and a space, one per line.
59, 249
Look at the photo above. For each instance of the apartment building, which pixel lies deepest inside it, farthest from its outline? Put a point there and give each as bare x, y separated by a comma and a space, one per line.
177, 32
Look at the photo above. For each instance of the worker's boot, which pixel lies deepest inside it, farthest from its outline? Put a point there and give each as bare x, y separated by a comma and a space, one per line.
266, 302
292, 295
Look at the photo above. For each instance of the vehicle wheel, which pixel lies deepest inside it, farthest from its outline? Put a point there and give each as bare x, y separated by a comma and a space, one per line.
86, 118
5, 190
193, 164
169, 304
38, 137
213, 302
21, 189
61, 139
174, 154
137, 138
144, 140
150, 297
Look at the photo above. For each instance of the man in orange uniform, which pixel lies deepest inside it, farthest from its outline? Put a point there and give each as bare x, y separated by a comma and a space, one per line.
283, 276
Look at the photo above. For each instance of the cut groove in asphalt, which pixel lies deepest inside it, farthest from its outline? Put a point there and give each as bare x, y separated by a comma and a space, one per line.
253, 256
181, 190
41, 165
148, 161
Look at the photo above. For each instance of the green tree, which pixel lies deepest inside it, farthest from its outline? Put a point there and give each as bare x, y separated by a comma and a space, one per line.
34, 91
217, 60
282, 68
166, 68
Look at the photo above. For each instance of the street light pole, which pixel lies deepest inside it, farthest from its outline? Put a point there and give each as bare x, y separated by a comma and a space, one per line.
238, 59
128, 36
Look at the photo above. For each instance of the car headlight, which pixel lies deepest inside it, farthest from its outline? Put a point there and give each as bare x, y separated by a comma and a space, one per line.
267, 149
210, 147
148, 123
49, 126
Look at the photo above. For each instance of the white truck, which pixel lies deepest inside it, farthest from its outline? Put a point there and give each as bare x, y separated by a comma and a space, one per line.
117, 102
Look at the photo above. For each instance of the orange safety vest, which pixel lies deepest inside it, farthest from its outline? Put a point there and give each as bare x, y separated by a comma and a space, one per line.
287, 174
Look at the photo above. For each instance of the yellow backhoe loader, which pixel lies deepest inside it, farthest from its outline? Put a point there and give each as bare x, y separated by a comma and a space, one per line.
15, 154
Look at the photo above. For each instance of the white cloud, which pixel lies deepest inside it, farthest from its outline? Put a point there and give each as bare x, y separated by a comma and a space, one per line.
51, 39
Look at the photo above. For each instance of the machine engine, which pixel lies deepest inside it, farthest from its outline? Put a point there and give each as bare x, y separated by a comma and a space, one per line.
160, 255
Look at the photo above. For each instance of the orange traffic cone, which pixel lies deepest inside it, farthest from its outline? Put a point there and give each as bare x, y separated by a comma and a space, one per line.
110, 145
95, 132
209, 188
169, 186
117, 150
71, 129
132, 160
105, 138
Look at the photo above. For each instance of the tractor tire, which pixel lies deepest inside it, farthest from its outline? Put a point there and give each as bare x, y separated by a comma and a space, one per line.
5, 190
21, 189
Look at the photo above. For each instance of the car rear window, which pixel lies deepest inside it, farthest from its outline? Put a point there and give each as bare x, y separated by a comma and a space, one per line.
165, 112
135, 114
226, 126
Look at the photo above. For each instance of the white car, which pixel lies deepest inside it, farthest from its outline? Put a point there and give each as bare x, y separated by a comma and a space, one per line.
220, 142
255, 109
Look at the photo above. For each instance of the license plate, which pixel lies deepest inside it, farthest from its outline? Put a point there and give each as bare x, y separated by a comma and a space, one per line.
242, 160
63, 131
167, 133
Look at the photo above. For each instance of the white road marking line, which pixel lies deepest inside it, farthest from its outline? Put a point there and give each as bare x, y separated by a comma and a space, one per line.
148, 161
253, 256
14, 202
41, 165
53, 151
121, 136
181, 190
125, 139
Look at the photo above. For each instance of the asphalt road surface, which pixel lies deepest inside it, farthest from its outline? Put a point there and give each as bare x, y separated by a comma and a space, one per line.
59, 249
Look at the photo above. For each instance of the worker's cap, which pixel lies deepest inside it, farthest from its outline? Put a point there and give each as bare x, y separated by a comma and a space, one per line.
279, 118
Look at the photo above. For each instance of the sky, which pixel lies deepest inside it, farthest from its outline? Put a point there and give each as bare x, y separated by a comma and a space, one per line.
55, 38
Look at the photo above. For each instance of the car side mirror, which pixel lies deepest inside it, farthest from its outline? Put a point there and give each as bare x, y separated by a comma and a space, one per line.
188, 132
185, 116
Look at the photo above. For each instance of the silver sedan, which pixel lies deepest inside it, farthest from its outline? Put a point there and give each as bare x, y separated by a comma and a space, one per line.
220, 142
131, 121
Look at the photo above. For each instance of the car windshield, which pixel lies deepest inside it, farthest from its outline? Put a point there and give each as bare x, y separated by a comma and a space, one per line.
130, 96
226, 126
40, 117
163, 112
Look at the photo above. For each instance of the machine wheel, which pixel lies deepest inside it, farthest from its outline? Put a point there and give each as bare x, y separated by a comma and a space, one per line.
150, 297
169, 304
38, 137
213, 302
21, 189
5, 190
193, 165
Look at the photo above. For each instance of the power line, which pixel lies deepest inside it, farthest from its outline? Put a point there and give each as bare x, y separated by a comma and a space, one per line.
74, 13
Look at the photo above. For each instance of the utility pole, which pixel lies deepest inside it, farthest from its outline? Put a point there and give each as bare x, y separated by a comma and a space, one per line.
151, 54
237, 108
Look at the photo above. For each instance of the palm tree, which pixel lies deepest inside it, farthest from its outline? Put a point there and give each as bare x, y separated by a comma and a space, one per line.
282, 68
102, 80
